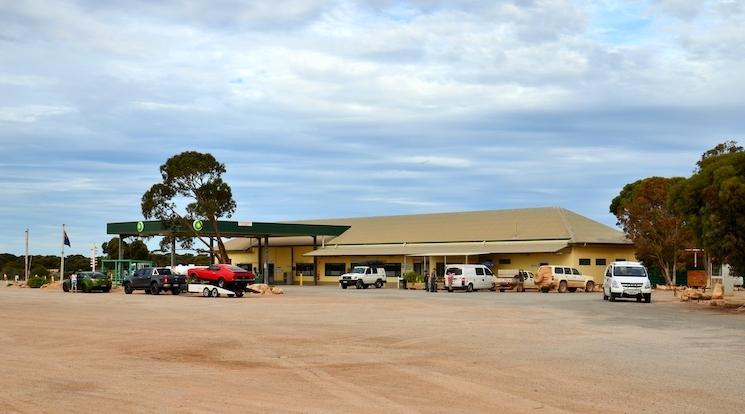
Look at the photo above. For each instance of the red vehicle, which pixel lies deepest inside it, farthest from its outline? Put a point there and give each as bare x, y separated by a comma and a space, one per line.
223, 275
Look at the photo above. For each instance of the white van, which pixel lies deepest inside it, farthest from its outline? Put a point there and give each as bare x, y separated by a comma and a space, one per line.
468, 277
627, 280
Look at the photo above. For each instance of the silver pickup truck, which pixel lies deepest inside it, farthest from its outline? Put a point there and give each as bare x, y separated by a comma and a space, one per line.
508, 279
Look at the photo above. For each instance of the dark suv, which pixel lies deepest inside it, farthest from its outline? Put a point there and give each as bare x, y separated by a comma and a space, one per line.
154, 279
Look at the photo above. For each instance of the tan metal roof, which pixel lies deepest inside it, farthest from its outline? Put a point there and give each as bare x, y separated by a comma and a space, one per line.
529, 224
442, 249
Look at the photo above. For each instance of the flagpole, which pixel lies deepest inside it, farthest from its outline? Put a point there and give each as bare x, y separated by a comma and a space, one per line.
25, 264
62, 262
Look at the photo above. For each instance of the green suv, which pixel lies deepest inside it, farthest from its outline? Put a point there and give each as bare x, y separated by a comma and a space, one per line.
88, 281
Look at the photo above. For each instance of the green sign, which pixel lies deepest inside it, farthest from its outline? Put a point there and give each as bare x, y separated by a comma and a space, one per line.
140, 226
197, 225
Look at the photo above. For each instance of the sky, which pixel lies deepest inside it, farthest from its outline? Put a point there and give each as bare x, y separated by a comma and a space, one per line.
328, 109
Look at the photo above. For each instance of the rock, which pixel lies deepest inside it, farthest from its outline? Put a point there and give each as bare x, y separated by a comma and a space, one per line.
718, 292
684, 298
277, 290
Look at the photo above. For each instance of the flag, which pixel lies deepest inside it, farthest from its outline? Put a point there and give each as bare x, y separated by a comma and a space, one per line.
67, 239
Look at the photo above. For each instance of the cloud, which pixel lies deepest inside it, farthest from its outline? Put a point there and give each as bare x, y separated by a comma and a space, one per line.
348, 108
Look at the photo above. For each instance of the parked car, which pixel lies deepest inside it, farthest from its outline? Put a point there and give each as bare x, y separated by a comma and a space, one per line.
89, 281
363, 276
153, 280
562, 278
224, 276
627, 280
468, 277
508, 279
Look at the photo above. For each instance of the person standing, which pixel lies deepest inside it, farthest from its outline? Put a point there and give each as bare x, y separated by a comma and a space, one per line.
74, 282
433, 283
426, 281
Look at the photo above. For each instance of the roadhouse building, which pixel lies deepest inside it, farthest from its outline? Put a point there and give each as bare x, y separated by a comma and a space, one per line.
501, 239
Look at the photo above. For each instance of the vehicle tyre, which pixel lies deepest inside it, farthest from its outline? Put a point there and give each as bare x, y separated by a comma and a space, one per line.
65, 287
493, 288
639, 298
147, 291
107, 289
612, 297
221, 283
605, 297
175, 291
563, 286
206, 292
238, 293
469, 288
545, 289
128, 288
215, 293
154, 289
343, 285
501, 290
378, 284
450, 290
590, 286
359, 284
365, 286
648, 297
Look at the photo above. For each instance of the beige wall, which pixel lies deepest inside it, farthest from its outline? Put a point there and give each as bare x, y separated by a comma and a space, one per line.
285, 257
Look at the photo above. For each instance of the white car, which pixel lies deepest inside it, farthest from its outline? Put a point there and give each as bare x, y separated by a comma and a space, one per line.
627, 280
468, 277
562, 278
363, 276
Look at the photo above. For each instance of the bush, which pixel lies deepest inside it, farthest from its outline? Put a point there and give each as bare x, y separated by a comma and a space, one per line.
413, 277
36, 282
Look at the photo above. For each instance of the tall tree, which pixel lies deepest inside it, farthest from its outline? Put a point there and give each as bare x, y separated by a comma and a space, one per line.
713, 200
197, 178
658, 231
137, 250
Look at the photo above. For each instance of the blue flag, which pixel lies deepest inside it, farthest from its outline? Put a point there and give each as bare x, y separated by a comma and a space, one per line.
67, 239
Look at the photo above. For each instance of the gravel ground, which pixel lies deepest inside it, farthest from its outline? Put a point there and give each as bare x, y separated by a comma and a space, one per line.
327, 350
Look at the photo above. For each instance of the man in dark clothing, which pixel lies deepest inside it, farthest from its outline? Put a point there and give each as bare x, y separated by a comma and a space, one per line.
426, 281
433, 282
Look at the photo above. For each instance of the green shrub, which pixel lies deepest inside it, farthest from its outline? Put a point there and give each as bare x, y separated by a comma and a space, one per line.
36, 282
413, 277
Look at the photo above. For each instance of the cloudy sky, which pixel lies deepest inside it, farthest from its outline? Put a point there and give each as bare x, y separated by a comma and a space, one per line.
353, 108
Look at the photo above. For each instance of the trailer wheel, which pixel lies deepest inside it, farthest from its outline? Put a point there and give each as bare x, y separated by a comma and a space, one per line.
215, 293
206, 292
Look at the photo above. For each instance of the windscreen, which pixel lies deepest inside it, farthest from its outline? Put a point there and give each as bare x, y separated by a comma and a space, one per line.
360, 270
236, 269
629, 271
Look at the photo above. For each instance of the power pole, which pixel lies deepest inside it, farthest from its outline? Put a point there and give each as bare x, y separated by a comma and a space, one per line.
25, 266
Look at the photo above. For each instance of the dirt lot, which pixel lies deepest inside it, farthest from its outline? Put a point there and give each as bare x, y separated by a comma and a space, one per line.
321, 349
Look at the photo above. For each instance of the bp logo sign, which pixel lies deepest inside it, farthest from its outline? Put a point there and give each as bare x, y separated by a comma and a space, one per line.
140, 226
197, 225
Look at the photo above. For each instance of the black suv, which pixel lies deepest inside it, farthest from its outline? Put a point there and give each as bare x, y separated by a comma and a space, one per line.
154, 279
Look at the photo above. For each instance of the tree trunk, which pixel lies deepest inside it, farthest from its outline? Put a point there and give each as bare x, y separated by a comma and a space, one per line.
222, 254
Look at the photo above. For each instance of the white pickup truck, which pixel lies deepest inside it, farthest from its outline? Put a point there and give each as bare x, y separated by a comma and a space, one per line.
363, 276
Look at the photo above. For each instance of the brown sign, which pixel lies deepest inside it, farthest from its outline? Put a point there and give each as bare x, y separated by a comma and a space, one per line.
697, 278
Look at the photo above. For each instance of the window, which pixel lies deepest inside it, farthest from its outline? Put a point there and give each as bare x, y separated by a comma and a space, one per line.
505, 261
543, 264
304, 269
246, 266
608, 272
489, 272
479, 271
567, 271
620, 260
335, 269
585, 262
559, 271
600, 262
575, 272
392, 269
454, 271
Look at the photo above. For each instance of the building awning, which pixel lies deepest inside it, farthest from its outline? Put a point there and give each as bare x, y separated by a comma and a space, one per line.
442, 249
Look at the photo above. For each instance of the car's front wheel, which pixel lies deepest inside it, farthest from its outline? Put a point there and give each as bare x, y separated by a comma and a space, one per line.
221, 283
343, 285
359, 284
128, 288
648, 297
65, 287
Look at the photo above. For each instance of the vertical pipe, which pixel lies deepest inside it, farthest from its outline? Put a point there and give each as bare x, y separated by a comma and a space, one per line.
315, 260
266, 259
